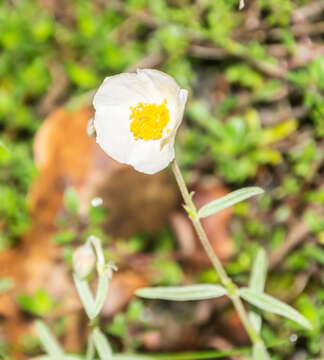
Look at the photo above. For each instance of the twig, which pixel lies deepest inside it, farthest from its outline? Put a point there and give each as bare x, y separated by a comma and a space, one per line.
237, 50
271, 117
207, 52
299, 30
149, 61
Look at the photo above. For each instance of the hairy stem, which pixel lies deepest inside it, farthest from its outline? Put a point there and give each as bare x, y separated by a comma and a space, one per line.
225, 279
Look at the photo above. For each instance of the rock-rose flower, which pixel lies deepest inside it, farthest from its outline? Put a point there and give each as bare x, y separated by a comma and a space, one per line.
137, 117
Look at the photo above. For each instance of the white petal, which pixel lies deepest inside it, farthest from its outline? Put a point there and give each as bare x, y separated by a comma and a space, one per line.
162, 82
123, 89
147, 156
182, 98
113, 131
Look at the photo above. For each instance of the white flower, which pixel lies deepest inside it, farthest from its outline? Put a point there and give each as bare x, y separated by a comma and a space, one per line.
137, 117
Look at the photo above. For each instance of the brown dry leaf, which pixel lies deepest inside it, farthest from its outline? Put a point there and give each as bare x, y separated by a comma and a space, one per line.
231, 328
121, 290
215, 225
152, 340
7, 306
222, 344
138, 202
75, 335
66, 156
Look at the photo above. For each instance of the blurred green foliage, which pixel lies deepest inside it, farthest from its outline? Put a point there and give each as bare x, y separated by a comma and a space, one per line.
125, 325
237, 147
73, 229
311, 80
40, 303
16, 171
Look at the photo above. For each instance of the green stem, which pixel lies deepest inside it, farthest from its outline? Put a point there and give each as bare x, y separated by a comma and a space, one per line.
225, 279
90, 349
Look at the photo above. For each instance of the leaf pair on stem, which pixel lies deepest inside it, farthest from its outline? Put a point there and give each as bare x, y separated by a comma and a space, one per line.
254, 294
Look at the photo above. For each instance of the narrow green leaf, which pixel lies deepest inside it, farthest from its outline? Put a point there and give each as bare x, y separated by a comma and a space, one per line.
48, 341
65, 357
259, 352
228, 200
190, 355
90, 348
102, 345
102, 290
183, 293
193, 355
255, 320
270, 304
86, 296
257, 282
259, 271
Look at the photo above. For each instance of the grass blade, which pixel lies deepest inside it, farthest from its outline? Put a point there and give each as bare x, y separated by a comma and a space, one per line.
194, 355
66, 357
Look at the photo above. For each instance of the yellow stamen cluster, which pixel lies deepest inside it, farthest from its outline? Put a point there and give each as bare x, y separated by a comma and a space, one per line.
149, 120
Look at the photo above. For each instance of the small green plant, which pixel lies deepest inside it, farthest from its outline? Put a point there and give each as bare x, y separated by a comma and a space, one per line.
73, 229
90, 255
253, 294
85, 259
237, 147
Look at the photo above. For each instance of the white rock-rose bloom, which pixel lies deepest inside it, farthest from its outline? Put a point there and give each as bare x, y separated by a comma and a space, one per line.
137, 117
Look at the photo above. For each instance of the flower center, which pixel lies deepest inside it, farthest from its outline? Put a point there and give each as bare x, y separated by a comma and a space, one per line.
149, 120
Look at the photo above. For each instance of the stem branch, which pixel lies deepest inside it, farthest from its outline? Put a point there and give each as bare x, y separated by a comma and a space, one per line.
225, 279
